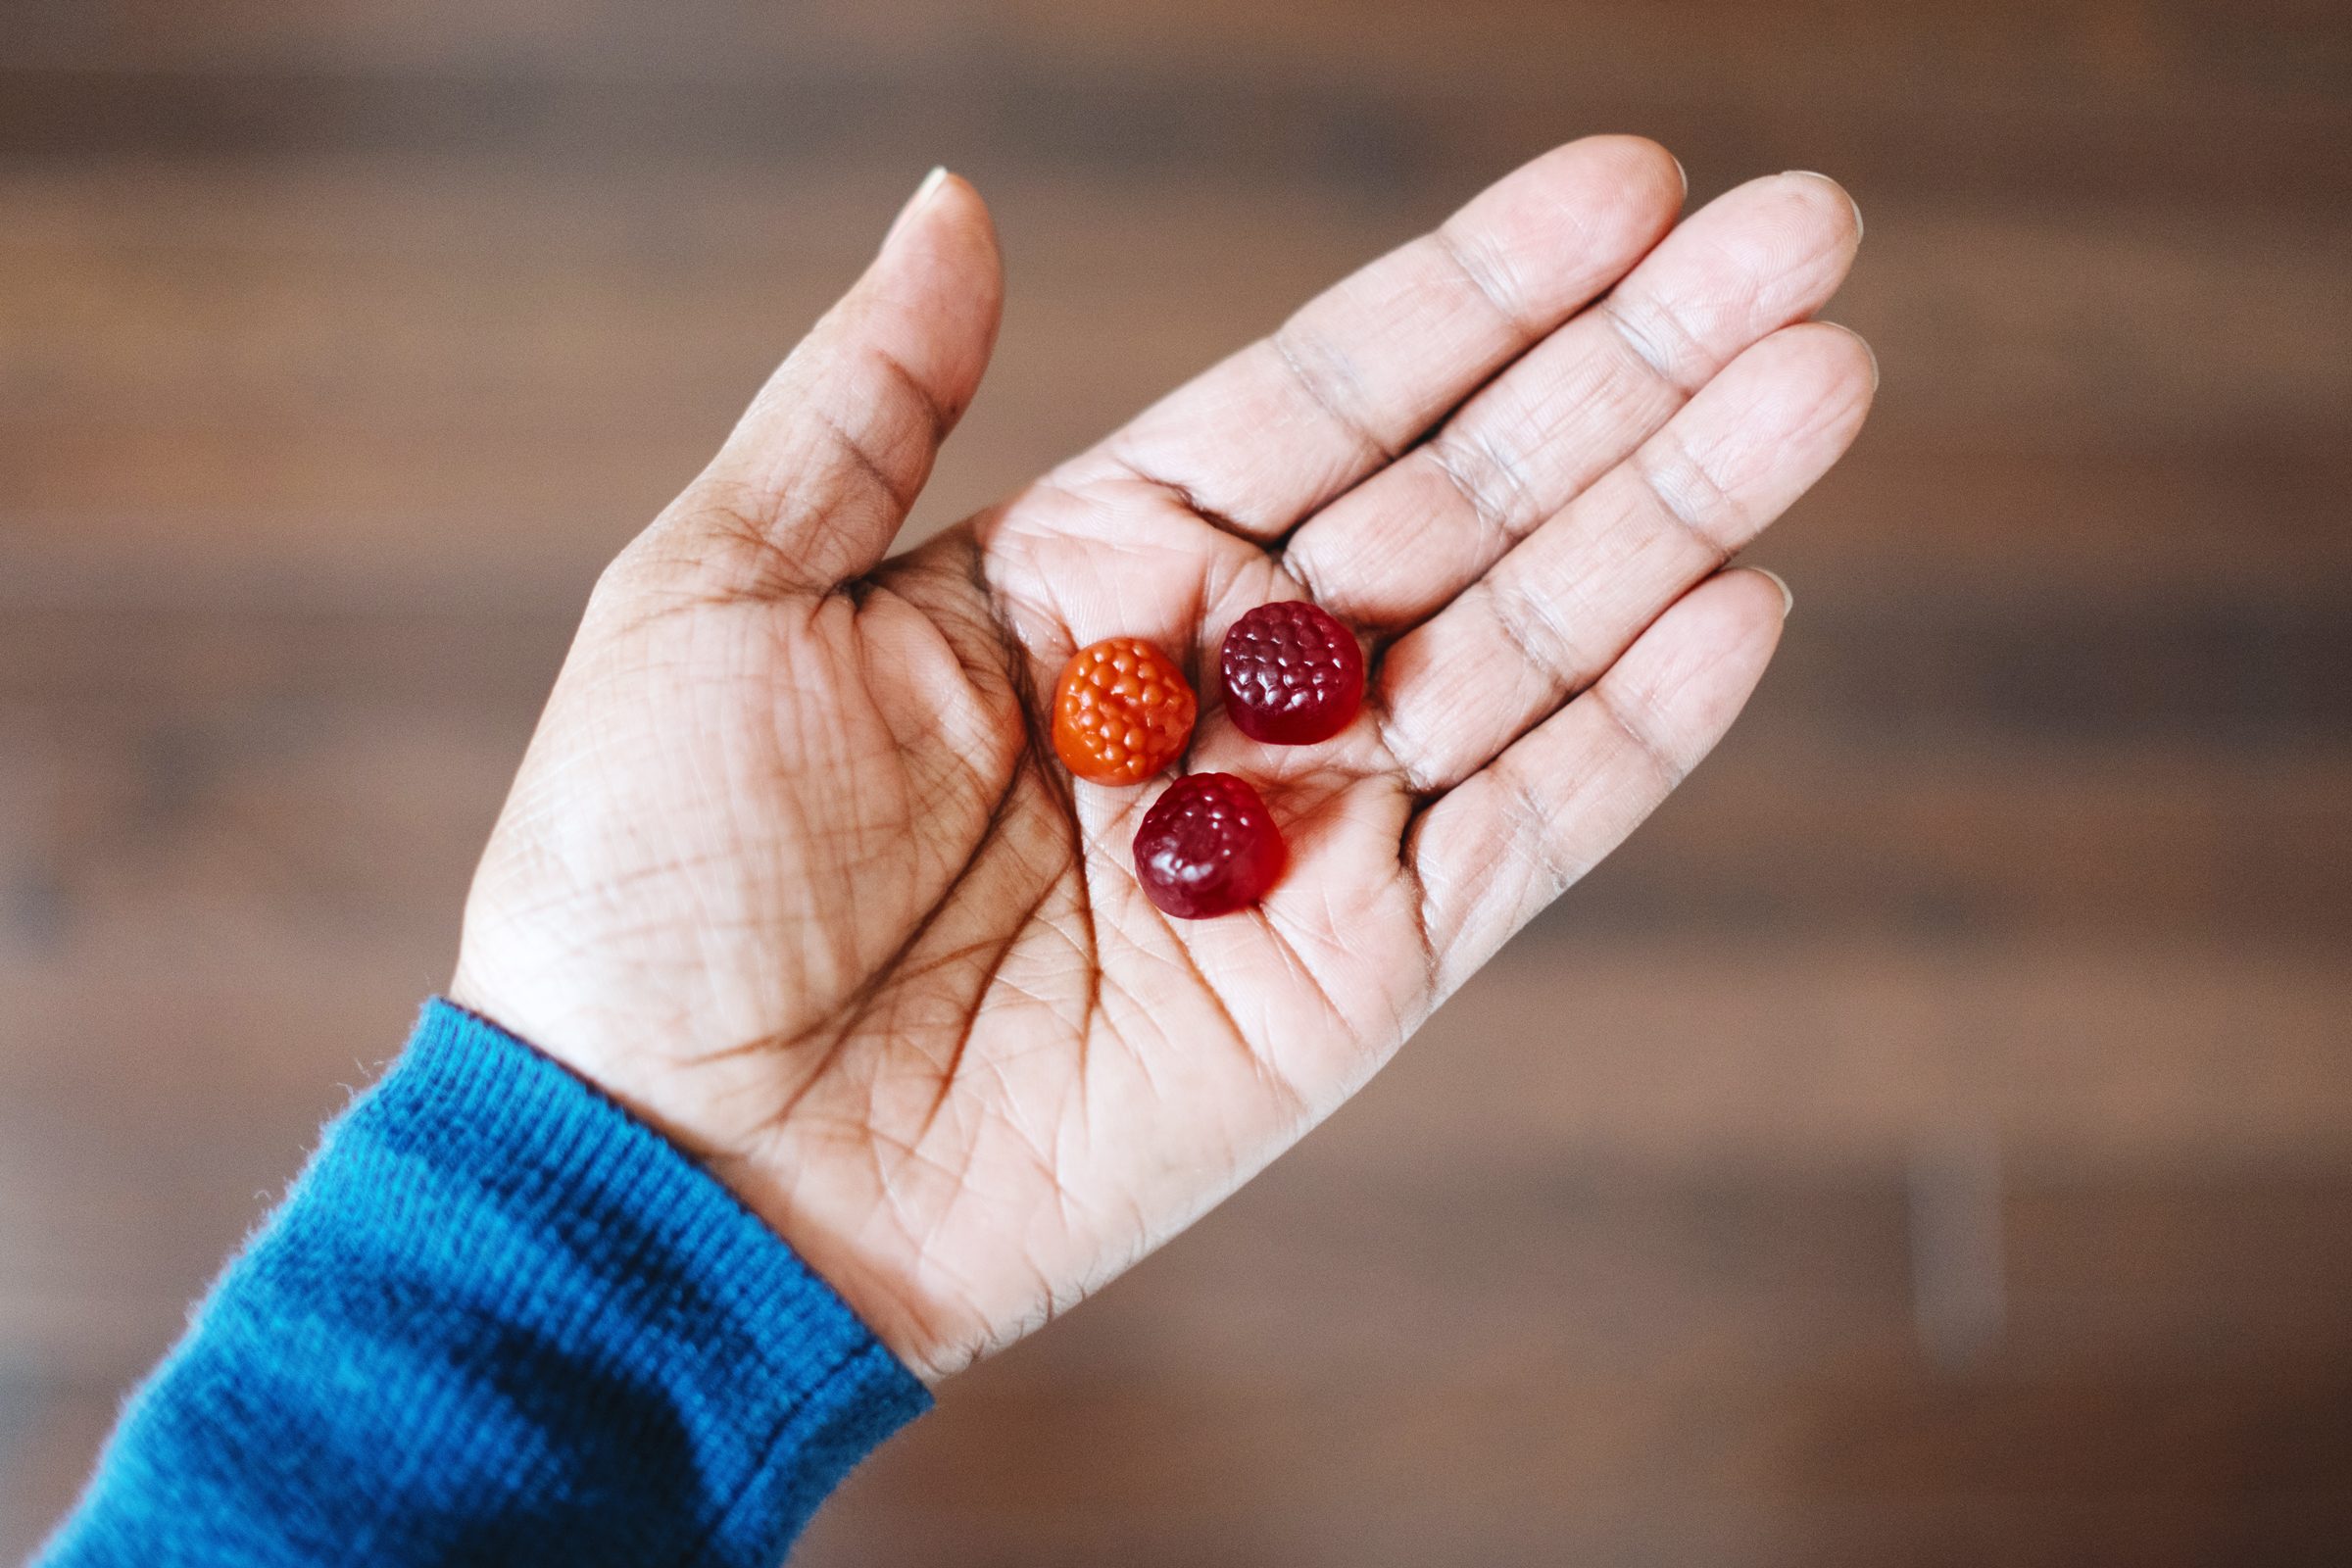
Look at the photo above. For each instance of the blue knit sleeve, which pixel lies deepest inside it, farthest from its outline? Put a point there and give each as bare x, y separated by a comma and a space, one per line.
498, 1320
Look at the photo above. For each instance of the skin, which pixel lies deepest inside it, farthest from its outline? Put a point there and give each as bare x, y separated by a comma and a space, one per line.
791, 871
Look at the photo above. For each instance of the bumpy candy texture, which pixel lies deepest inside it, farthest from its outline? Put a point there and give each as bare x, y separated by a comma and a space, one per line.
1121, 713
1293, 674
1208, 847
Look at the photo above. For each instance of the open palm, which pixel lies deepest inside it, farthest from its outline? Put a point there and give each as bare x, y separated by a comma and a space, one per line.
792, 870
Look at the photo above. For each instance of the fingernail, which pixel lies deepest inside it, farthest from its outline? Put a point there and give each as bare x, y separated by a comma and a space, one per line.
1868, 353
916, 202
1787, 599
1684, 173
1808, 173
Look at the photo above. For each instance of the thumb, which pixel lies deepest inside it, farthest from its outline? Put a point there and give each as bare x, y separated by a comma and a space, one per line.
820, 470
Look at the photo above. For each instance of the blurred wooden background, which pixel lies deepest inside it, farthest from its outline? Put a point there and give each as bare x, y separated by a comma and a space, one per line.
1930, 1142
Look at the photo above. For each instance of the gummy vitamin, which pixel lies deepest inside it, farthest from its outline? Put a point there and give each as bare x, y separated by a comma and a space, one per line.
1208, 847
1122, 712
1293, 674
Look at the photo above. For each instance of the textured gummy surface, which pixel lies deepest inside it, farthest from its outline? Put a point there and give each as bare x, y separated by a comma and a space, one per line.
1121, 712
1293, 674
1209, 847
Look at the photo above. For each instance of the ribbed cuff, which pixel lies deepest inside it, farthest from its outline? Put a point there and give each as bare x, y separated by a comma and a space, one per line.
497, 1320
611, 1239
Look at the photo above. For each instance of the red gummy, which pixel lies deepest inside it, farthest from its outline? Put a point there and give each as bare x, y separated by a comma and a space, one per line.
1293, 673
1208, 847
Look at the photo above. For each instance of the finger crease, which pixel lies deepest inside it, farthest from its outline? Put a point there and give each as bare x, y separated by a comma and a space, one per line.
1423, 786
861, 458
1182, 494
1319, 393
1688, 501
1408, 862
1497, 518
1533, 841
942, 419
1481, 279
1527, 619
1643, 344
1637, 734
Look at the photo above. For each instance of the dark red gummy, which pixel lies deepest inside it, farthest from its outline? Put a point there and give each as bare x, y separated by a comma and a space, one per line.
1208, 847
1293, 674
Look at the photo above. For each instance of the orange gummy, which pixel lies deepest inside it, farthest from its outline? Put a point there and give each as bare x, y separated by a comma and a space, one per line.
1121, 712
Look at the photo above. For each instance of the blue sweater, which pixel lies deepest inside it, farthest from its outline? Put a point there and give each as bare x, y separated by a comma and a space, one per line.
496, 1321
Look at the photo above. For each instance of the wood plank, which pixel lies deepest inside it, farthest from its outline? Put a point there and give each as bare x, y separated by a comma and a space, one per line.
282, 805
2232, 537
1813, 1052
228, 373
1720, 1125
1414, 1510
1902, 675
1622, 1336
1526, 1440
1817, 46
1364, 33
1926, 768
49, 1432
1916, 515
2059, 1531
1993, 127
133, 293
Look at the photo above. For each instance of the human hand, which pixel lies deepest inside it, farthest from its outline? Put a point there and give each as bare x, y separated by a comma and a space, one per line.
791, 869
